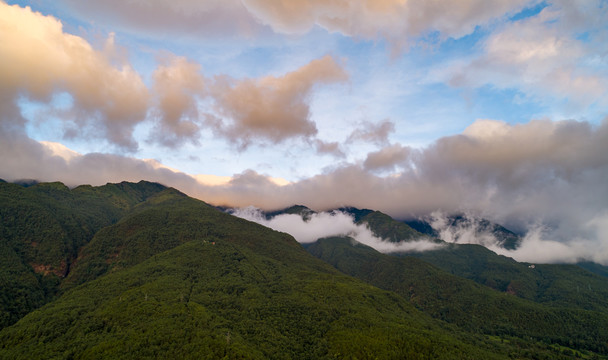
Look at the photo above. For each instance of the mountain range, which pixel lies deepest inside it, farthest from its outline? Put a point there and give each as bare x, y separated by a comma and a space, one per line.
139, 270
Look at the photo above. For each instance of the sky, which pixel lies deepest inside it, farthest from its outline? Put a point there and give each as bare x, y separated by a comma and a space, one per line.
493, 108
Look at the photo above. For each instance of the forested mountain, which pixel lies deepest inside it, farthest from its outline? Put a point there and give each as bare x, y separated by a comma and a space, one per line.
381, 225
475, 307
42, 228
556, 285
176, 277
143, 271
462, 223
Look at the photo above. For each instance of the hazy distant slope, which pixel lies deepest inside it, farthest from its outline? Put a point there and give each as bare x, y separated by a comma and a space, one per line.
385, 227
471, 225
381, 225
460, 301
597, 269
204, 284
301, 210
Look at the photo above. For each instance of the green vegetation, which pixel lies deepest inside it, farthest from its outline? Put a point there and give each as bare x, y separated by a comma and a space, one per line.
301, 210
200, 300
143, 271
185, 280
504, 237
554, 285
380, 224
42, 228
387, 228
594, 268
473, 307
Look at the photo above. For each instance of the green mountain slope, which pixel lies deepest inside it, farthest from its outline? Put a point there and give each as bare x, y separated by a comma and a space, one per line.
504, 237
381, 225
597, 269
301, 210
387, 228
43, 226
555, 285
471, 306
188, 281
143, 271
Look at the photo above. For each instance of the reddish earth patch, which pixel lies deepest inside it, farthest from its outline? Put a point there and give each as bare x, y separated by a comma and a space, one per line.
511, 290
49, 269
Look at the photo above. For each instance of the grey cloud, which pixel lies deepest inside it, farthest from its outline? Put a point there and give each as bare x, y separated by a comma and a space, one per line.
543, 174
331, 148
178, 85
375, 133
388, 158
176, 19
394, 20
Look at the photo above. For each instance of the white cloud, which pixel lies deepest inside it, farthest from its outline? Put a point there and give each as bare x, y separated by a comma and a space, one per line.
535, 248
542, 57
326, 224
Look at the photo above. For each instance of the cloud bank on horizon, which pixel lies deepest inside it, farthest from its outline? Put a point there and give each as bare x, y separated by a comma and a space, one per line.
495, 108
331, 224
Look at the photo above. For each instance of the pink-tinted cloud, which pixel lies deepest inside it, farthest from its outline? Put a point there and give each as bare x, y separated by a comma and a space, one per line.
39, 60
542, 172
329, 148
171, 19
375, 133
270, 108
388, 158
394, 20
178, 85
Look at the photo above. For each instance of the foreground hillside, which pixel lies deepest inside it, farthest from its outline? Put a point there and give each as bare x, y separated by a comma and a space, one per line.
42, 228
176, 277
143, 271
